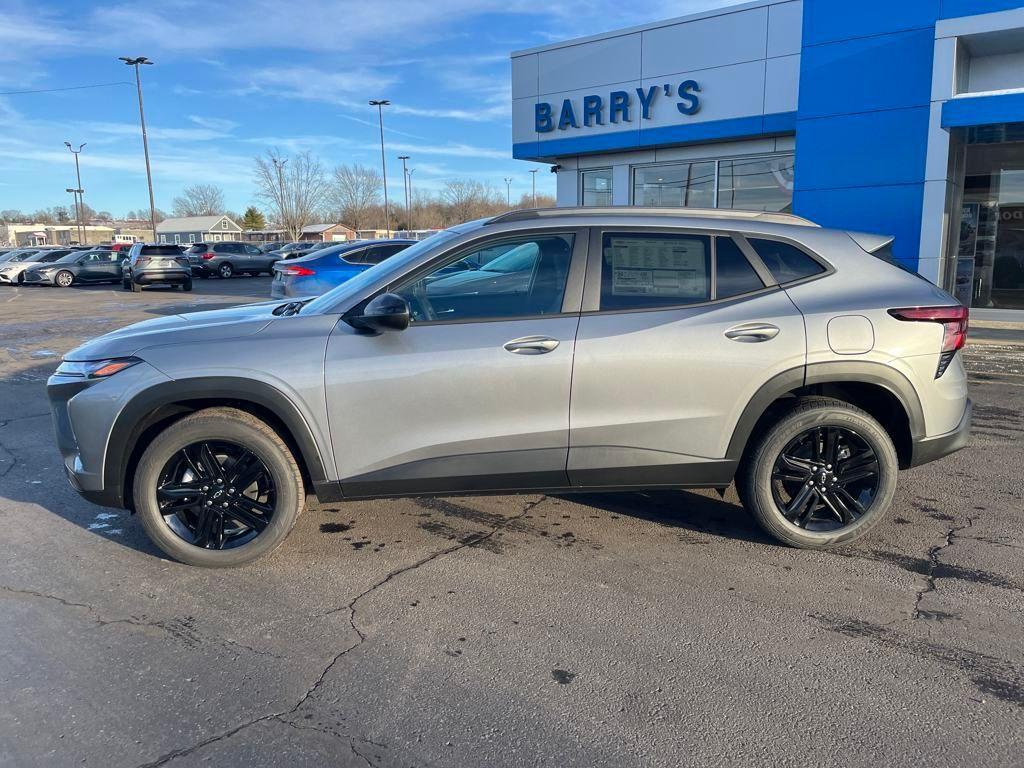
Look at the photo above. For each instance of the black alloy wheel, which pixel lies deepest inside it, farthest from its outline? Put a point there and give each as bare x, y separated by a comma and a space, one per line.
216, 494
825, 479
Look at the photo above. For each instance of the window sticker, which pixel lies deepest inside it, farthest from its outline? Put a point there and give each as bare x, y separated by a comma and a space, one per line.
658, 267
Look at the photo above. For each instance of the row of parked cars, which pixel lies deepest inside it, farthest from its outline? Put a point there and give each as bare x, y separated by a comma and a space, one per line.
140, 264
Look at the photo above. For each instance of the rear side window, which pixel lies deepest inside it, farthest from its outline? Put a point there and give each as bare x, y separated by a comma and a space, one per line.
786, 262
160, 250
733, 274
645, 270
378, 253
197, 248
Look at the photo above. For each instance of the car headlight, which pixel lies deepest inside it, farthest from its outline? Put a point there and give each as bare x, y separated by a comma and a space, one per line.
95, 369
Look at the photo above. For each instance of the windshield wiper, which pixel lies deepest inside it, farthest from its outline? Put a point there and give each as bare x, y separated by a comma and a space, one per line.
291, 308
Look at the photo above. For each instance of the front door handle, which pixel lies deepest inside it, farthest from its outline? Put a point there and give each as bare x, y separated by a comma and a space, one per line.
531, 345
752, 332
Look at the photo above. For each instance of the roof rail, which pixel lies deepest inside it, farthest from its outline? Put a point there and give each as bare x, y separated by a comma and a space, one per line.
530, 214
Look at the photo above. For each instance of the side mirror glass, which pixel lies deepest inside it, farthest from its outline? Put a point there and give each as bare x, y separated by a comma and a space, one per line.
387, 312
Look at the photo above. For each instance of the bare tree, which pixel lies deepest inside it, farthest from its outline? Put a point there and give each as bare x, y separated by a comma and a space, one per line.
292, 187
355, 191
199, 200
466, 199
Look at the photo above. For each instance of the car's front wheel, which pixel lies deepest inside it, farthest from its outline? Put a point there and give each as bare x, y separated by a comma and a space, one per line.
823, 474
63, 279
218, 489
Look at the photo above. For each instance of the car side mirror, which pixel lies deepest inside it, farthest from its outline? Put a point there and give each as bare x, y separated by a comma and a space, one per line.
387, 312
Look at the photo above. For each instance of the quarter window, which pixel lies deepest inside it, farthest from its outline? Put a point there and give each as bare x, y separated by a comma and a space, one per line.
733, 273
786, 262
522, 277
649, 270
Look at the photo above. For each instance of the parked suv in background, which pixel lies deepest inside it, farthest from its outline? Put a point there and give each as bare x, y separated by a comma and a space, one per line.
227, 259
154, 264
325, 268
629, 349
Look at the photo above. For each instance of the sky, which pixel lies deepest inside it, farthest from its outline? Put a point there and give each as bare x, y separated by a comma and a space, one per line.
231, 80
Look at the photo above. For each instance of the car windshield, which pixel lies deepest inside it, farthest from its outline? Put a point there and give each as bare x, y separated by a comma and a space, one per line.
392, 266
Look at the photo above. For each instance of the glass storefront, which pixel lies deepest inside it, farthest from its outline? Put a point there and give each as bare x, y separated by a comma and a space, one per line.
990, 252
597, 187
753, 184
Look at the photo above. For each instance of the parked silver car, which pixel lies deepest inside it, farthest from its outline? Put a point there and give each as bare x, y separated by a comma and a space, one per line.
634, 348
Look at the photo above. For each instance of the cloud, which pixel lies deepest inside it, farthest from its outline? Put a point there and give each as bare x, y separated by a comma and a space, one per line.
156, 132
214, 123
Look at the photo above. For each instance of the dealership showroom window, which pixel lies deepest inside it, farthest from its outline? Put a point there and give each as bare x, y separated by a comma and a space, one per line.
908, 124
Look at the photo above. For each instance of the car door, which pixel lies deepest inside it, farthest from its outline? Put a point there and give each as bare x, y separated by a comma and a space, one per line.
678, 332
106, 266
471, 396
254, 258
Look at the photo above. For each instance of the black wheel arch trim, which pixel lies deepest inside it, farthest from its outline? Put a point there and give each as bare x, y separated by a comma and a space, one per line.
837, 372
136, 417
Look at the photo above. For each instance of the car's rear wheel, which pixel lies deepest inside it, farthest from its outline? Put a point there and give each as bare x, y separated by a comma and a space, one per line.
823, 474
126, 284
187, 285
218, 489
63, 279
225, 270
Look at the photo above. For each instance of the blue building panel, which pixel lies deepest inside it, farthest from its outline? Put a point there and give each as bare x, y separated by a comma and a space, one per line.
891, 210
866, 149
835, 20
867, 74
983, 110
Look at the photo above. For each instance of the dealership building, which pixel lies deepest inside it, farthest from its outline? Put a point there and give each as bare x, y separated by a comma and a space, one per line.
901, 117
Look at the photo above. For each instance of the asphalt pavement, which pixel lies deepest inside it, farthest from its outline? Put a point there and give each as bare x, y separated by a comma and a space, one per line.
656, 629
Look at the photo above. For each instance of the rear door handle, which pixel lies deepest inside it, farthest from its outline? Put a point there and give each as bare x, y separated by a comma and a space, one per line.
752, 332
531, 345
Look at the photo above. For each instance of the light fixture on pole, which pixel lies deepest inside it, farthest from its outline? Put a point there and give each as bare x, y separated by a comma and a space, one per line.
380, 104
405, 182
135, 62
534, 174
79, 204
508, 193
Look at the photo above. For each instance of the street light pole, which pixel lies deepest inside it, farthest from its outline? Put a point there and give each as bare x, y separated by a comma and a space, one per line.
279, 165
405, 182
79, 205
534, 174
508, 193
145, 139
75, 192
380, 104
409, 177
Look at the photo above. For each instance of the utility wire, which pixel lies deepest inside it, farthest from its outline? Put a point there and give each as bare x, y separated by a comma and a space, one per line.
71, 88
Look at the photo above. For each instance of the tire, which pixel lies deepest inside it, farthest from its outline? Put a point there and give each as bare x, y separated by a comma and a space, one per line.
126, 284
63, 279
833, 518
242, 430
187, 285
136, 288
225, 270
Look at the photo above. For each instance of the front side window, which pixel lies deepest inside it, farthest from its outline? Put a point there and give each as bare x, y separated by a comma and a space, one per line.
523, 277
647, 270
596, 187
759, 184
786, 262
681, 185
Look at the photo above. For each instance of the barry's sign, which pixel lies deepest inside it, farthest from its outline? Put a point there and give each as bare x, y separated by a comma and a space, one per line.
619, 107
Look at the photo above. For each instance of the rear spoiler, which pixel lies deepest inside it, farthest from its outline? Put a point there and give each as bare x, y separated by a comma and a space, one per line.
869, 242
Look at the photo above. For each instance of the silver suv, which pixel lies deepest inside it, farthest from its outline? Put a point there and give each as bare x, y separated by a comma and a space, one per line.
539, 351
155, 264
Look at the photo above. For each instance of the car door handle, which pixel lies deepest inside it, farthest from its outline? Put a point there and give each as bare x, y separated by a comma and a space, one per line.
531, 345
752, 332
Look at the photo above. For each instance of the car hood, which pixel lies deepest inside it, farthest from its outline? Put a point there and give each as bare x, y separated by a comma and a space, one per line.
211, 325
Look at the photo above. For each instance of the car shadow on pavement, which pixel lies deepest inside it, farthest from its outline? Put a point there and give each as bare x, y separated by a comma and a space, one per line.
679, 509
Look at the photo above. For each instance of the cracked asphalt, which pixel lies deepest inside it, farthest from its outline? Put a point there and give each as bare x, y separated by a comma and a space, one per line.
656, 629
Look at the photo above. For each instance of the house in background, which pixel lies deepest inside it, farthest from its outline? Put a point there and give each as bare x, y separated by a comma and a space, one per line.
198, 229
323, 233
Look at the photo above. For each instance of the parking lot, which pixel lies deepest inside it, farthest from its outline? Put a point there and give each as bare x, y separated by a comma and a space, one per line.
655, 629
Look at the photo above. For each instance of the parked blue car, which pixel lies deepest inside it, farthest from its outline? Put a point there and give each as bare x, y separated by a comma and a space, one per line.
324, 269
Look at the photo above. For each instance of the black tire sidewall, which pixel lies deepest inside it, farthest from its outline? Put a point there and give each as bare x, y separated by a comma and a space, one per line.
758, 486
287, 481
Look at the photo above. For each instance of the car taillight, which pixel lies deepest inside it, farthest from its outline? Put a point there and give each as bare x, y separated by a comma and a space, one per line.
208, 255
954, 322
295, 271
